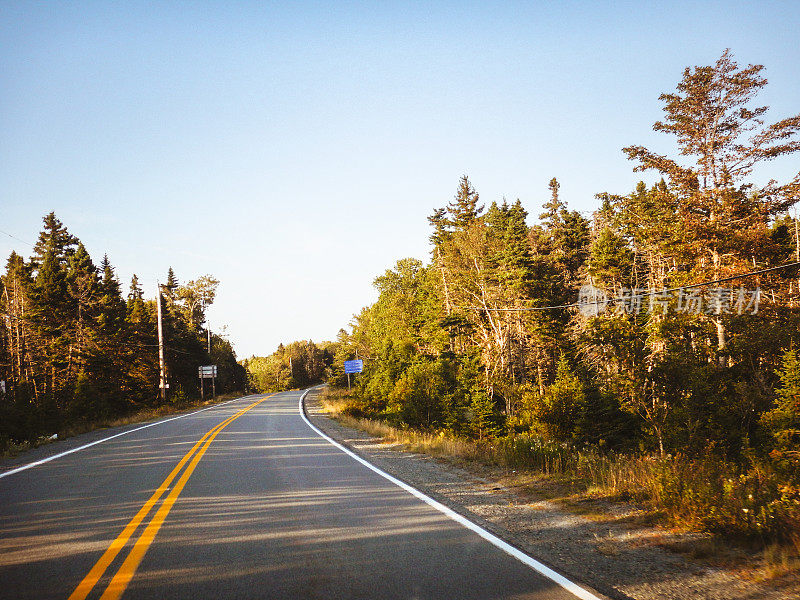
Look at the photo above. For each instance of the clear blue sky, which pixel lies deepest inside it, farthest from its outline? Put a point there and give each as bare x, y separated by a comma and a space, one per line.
294, 150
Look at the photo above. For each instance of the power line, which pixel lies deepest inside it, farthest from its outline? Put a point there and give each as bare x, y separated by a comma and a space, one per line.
167, 349
643, 294
16, 238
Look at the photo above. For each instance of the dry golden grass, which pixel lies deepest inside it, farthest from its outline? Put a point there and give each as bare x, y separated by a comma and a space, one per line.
777, 562
140, 416
435, 444
578, 480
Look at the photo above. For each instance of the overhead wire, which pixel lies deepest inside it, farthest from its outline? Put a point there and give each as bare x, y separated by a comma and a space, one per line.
16, 238
641, 295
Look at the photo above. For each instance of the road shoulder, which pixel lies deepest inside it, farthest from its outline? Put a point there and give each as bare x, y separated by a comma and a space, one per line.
613, 557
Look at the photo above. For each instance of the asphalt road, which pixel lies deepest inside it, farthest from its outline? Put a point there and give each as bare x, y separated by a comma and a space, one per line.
263, 507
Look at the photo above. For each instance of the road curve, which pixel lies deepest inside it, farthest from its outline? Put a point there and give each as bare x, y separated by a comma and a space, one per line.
241, 501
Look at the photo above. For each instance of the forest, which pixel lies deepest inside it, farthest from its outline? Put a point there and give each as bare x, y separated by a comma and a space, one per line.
660, 331
76, 350
296, 365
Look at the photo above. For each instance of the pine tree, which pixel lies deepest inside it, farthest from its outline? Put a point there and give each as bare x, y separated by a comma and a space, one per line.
783, 421
517, 261
53, 238
464, 209
721, 215
554, 210
562, 238
112, 308
136, 312
170, 287
135, 292
50, 319
483, 420
497, 216
17, 286
562, 404
83, 283
610, 260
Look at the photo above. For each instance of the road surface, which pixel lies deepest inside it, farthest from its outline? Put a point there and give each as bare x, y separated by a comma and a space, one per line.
244, 500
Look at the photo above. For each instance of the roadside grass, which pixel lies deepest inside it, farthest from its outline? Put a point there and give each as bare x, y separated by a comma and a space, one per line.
139, 416
778, 561
743, 521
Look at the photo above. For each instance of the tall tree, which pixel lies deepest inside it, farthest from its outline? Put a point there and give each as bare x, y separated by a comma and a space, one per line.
723, 216
782, 423
53, 238
554, 209
112, 307
84, 288
464, 208
170, 288
195, 297
17, 287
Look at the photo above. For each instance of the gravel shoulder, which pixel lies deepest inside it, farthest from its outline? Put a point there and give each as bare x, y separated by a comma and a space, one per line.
614, 555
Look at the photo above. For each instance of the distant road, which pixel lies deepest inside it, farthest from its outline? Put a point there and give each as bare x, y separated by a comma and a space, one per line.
241, 501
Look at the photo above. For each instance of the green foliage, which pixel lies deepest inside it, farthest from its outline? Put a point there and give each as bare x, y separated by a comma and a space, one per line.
297, 365
609, 259
416, 398
72, 349
555, 415
782, 423
483, 417
484, 342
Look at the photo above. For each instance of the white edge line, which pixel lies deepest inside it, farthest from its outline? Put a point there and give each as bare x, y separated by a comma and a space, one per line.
488, 536
111, 437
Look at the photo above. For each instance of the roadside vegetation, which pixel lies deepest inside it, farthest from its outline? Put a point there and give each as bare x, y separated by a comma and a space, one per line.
701, 495
675, 382
142, 415
77, 353
295, 365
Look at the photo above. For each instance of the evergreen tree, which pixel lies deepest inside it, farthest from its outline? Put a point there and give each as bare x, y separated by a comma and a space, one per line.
464, 209
170, 287
610, 260
53, 238
483, 416
135, 292
722, 216
497, 216
17, 286
83, 281
516, 268
136, 312
554, 210
783, 422
562, 405
112, 308
50, 311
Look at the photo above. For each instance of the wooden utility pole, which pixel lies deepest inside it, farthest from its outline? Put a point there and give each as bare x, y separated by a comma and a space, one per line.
162, 376
208, 326
797, 246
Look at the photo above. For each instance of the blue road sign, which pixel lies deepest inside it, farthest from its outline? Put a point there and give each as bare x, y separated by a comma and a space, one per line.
353, 366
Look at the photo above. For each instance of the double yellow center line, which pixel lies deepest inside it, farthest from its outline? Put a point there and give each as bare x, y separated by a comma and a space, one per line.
125, 573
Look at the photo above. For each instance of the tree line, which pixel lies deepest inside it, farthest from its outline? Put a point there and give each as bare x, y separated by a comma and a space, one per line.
295, 365
74, 349
595, 331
